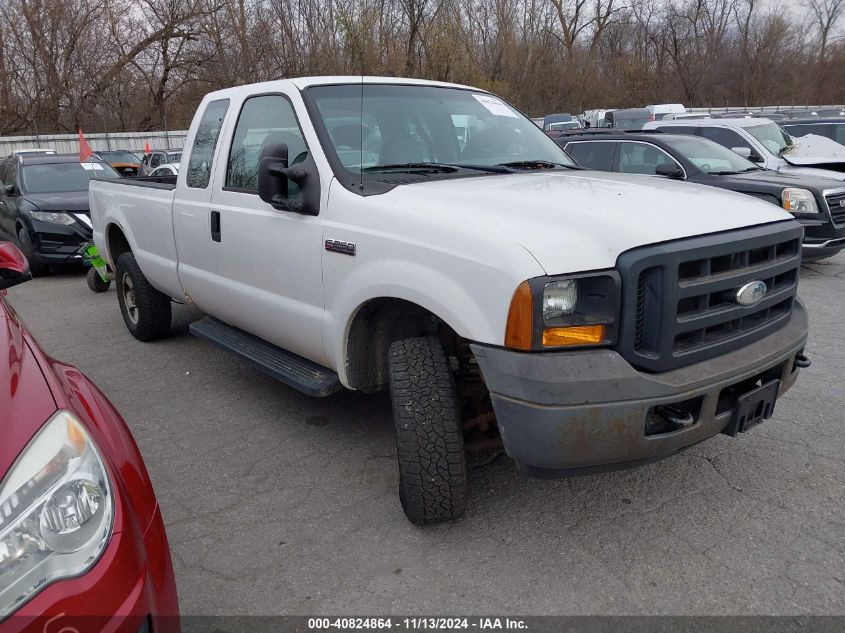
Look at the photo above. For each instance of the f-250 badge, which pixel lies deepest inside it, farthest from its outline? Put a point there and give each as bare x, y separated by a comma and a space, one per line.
344, 248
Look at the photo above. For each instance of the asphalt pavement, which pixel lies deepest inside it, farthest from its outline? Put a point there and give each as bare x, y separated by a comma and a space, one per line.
276, 503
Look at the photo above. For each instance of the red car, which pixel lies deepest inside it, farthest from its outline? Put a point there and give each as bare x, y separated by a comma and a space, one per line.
82, 542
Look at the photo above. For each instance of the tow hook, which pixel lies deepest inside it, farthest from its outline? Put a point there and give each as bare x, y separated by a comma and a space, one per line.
676, 417
802, 362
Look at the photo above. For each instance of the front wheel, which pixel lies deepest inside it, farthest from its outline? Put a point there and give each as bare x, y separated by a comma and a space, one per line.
37, 269
433, 482
145, 310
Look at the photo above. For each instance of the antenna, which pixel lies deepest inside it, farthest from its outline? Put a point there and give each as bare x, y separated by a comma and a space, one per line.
361, 120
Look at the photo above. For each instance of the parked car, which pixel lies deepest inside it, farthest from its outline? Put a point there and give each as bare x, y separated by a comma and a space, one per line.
551, 119
764, 142
832, 128
81, 533
494, 288
815, 202
165, 170
594, 119
157, 158
125, 162
575, 124
628, 119
661, 110
44, 205
685, 116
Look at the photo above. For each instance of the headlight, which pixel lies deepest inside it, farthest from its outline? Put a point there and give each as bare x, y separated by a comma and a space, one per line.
56, 511
56, 217
571, 311
799, 201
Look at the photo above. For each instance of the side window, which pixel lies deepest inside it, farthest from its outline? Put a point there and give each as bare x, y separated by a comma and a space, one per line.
202, 151
7, 173
839, 135
819, 129
264, 119
594, 155
725, 138
642, 158
155, 161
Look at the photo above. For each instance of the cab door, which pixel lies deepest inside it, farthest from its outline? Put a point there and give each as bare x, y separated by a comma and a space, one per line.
262, 267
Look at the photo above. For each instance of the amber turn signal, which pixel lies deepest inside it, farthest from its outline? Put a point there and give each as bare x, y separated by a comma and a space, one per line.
576, 335
520, 321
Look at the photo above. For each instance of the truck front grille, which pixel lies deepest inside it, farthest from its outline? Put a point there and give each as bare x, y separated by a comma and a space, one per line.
680, 298
834, 202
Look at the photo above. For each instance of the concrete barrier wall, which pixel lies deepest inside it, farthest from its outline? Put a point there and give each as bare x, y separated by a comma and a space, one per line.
69, 143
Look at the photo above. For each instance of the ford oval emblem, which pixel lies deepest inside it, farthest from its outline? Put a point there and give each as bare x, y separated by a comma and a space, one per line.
751, 293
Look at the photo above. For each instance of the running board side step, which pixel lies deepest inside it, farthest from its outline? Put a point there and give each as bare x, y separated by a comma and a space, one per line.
297, 372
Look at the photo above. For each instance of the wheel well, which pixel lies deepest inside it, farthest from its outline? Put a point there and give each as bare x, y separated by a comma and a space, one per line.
375, 326
117, 243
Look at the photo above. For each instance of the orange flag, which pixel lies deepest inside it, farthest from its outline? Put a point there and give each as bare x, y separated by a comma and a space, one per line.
85, 151
146, 148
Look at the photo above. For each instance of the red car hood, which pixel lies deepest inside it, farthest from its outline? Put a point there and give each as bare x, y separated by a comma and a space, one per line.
26, 400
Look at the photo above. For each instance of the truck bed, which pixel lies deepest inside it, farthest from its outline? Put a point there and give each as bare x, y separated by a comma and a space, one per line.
141, 211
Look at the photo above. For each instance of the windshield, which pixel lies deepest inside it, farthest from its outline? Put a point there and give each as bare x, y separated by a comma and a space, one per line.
630, 124
772, 136
708, 156
119, 156
61, 177
412, 125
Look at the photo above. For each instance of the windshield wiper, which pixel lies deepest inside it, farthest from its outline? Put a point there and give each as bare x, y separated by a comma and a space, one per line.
433, 167
536, 164
445, 168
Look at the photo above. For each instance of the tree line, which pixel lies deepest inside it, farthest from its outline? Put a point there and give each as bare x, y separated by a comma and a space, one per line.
135, 65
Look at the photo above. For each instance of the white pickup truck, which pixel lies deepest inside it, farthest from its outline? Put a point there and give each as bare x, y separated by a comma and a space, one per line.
374, 233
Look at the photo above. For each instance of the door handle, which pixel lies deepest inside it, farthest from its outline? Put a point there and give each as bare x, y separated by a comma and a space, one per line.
215, 226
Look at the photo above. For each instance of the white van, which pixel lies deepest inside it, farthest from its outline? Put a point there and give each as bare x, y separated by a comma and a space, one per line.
661, 110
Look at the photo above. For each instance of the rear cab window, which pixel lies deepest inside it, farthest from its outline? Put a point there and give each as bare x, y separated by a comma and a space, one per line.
205, 142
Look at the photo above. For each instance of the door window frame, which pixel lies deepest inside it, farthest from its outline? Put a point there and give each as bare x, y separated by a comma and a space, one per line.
231, 138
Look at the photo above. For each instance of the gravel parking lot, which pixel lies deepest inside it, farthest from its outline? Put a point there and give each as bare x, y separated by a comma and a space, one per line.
280, 504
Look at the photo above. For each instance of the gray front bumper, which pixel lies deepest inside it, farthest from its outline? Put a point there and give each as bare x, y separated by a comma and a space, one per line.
582, 410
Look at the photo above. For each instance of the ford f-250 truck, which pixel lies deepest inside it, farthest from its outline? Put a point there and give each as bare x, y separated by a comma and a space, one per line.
427, 238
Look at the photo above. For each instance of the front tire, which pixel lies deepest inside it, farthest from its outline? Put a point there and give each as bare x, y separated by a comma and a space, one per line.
145, 310
433, 482
95, 282
37, 269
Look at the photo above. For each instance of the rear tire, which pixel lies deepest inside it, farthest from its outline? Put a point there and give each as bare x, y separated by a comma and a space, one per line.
95, 282
37, 269
433, 482
145, 310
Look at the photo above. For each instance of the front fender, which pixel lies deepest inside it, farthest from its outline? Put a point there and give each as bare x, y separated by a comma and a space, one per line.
479, 315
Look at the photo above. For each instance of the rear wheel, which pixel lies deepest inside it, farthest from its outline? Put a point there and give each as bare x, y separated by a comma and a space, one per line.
95, 282
145, 310
433, 482
36, 268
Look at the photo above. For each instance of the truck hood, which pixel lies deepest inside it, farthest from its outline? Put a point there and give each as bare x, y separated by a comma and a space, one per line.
582, 220
785, 179
66, 201
816, 150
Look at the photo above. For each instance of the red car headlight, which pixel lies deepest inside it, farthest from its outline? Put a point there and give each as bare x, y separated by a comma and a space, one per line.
56, 511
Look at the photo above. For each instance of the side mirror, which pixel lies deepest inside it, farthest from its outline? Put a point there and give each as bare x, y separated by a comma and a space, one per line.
274, 178
11, 190
670, 171
745, 152
14, 269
